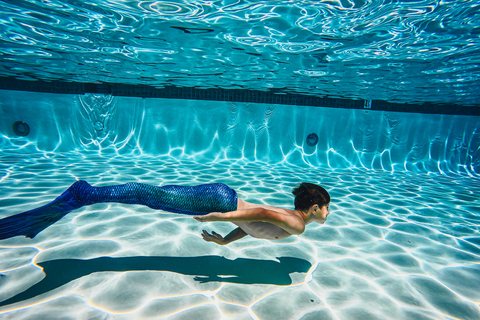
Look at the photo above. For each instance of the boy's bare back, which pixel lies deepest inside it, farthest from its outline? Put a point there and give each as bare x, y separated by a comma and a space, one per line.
265, 222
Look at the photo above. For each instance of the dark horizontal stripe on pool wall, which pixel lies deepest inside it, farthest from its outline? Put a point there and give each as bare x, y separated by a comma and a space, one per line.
273, 96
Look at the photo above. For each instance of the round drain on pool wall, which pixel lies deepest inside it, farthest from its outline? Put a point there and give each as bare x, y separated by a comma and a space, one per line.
21, 128
98, 125
312, 139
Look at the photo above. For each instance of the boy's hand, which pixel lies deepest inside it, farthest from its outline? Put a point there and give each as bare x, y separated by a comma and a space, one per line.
213, 216
214, 237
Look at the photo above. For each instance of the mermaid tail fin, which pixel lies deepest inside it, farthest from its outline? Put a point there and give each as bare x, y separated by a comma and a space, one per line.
197, 200
31, 223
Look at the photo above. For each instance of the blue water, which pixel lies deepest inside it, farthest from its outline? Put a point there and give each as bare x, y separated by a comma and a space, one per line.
400, 51
206, 131
403, 239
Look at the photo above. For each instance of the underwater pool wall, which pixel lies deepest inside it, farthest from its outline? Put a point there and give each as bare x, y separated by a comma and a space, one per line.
214, 131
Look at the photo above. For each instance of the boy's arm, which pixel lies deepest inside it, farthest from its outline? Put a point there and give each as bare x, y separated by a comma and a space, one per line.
218, 239
290, 223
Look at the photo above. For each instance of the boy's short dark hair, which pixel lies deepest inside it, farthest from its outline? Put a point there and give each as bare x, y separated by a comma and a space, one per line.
307, 194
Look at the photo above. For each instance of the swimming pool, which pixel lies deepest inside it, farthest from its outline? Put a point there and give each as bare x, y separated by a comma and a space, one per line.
402, 241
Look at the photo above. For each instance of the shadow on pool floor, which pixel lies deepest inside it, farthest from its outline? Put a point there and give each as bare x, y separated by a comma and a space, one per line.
205, 269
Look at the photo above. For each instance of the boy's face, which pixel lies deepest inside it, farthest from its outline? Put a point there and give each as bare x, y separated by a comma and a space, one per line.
322, 213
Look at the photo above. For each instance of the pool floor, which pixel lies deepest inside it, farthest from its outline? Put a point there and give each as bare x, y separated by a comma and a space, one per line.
398, 245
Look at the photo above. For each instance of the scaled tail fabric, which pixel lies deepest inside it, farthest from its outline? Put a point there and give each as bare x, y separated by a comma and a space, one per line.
198, 200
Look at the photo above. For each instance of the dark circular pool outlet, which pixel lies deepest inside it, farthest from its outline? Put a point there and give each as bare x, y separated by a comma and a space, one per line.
21, 128
312, 139
98, 125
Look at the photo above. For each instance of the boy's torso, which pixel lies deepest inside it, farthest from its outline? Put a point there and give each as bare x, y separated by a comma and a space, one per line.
262, 230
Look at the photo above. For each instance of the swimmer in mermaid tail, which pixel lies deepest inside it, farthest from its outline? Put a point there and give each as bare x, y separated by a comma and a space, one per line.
208, 202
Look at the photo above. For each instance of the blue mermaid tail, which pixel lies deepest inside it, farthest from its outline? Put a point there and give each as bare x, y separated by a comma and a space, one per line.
30, 223
198, 200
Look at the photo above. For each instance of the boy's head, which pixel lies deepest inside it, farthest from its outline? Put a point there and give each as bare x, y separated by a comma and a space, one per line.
308, 194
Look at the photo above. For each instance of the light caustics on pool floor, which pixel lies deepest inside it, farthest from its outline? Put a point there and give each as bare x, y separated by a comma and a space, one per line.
398, 245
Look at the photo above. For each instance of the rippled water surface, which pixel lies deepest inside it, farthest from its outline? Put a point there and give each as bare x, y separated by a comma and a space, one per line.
401, 51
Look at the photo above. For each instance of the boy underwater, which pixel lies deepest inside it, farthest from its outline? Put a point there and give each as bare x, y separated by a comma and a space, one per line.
207, 202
